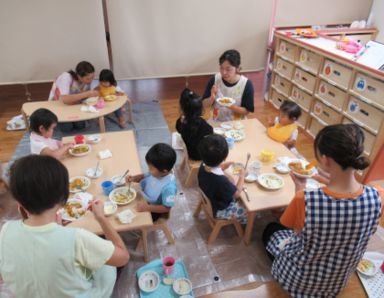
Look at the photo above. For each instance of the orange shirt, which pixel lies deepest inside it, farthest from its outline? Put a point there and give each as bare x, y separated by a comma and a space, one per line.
294, 215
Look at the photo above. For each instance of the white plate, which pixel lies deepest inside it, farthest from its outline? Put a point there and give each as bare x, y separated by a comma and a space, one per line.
122, 191
78, 210
225, 101
367, 267
116, 181
251, 177
94, 138
219, 131
91, 101
91, 172
83, 185
73, 152
149, 281
109, 208
226, 125
311, 172
238, 125
282, 168
182, 286
237, 135
270, 181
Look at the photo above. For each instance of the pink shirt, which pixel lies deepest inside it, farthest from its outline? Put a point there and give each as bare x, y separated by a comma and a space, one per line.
38, 143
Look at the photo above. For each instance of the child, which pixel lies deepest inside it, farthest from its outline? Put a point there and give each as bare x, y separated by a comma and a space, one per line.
284, 129
42, 124
108, 86
190, 125
325, 232
159, 185
41, 258
219, 187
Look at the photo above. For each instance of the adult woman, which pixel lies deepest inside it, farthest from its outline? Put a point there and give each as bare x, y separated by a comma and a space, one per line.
73, 86
190, 125
229, 83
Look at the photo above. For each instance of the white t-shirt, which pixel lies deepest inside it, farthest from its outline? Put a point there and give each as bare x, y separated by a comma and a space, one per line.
66, 85
38, 143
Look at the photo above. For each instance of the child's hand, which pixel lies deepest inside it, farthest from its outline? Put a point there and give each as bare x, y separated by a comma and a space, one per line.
290, 143
130, 178
68, 145
97, 207
214, 91
226, 165
92, 93
271, 121
243, 173
299, 182
142, 206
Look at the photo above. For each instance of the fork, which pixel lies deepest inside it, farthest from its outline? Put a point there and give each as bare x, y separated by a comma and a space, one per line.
246, 193
246, 163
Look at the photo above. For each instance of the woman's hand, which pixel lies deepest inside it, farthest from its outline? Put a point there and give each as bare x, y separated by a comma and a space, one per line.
97, 208
92, 93
299, 182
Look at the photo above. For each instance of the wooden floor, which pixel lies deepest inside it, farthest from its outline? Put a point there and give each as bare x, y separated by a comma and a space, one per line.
167, 91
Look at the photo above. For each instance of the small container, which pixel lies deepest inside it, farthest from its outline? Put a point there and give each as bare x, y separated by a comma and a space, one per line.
230, 142
168, 265
79, 139
266, 155
100, 103
107, 187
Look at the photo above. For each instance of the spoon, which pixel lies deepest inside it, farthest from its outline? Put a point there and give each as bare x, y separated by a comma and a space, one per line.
97, 167
246, 163
123, 176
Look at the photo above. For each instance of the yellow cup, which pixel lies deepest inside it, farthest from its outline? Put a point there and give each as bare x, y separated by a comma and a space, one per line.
266, 155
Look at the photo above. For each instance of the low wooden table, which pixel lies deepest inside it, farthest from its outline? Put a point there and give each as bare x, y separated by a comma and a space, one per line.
72, 113
124, 156
256, 140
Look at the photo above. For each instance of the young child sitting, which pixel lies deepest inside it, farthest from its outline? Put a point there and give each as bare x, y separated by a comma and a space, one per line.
219, 187
108, 86
41, 258
325, 232
283, 128
191, 125
42, 124
159, 185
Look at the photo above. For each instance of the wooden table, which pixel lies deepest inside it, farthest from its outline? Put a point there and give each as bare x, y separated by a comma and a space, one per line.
125, 156
256, 139
72, 113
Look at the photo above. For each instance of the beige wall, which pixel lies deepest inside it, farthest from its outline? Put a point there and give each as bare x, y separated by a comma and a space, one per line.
377, 18
42, 38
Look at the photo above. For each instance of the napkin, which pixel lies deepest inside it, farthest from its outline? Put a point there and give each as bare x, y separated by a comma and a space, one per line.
177, 141
90, 109
126, 216
105, 154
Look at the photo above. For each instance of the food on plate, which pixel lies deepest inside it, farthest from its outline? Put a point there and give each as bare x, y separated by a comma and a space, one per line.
236, 168
237, 135
297, 166
366, 266
122, 197
149, 281
74, 209
225, 101
110, 97
271, 181
79, 149
168, 281
182, 286
91, 100
76, 184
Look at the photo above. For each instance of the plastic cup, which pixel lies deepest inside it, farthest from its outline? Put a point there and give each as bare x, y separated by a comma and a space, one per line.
230, 142
80, 139
100, 103
168, 265
107, 187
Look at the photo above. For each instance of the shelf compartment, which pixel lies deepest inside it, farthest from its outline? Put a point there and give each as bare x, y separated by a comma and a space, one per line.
315, 126
326, 113
277, 98
370, 89
301, 97
284, 68
309, 60
367, 115
369, 138
287, 50
331, 94
304, 79
337, 73
303, 119
282, 85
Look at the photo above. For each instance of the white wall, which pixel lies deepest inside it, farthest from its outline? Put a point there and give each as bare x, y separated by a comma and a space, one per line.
377, 18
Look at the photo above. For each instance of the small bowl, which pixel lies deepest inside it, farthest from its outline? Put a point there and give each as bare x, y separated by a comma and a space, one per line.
182, 286
255, 165
226, 125
91, 172
282, 168
94, 139
117, 181
149, 281
236, 168
109, 208
251, 177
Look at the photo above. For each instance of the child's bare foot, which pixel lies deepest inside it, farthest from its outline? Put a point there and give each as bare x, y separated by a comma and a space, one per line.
122, 121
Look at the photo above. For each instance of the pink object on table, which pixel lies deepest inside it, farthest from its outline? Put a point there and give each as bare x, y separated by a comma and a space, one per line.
80, 139
100, 103
382, 267
168, 265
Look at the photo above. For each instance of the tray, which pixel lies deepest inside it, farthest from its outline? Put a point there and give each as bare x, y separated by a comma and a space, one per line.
163, 291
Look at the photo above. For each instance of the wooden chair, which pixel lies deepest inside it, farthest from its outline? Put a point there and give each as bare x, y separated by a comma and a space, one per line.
215, 223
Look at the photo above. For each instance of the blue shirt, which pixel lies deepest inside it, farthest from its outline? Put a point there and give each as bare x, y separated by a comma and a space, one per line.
159, 190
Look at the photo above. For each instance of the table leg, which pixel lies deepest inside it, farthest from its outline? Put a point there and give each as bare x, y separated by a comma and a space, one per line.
248, 229
144, 234
26, 120
102, 124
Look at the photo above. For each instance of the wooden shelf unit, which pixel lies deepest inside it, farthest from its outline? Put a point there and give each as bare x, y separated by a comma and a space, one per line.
330, 89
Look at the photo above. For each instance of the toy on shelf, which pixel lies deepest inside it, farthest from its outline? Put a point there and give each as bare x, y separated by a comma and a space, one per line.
306, 32
349, 45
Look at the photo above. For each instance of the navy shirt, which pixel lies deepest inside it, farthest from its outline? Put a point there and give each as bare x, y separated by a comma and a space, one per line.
246, 98
217, 188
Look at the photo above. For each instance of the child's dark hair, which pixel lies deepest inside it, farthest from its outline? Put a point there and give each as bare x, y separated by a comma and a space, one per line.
106, 75
213, 150
192, 108
83, 68
39, 182
41, 117
291, 109
344, 143
161, 156
232, 56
